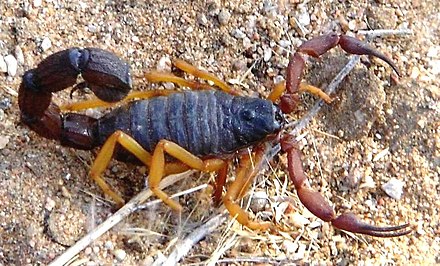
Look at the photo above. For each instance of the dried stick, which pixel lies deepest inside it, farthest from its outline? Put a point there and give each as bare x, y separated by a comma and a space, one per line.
118, 216
184, 246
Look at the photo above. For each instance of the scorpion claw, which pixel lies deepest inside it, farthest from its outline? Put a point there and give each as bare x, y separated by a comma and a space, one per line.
354, 46
350, 222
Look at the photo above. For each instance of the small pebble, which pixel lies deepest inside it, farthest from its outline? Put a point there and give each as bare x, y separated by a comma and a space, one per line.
19, 55
315, 224
108, 245
290, 246
259, 201
3, 66
164, 64
285, 43
37, 3
304, 16
237, 33
46, 44
120, 255
92, 28
11, 64
394, 188
50, 204
3, 142
96, 249
267, 54
239, 65
88, 251
435, 66
202, 20
223, 17
368, 183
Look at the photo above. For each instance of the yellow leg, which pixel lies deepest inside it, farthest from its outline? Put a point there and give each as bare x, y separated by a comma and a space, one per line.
315, 91
158, 163
190, 69
279, 89
95, 103
105, 154
244, 177
156, 76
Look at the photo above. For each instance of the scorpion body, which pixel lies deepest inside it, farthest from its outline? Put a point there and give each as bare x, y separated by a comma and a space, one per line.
200, 129
205, 123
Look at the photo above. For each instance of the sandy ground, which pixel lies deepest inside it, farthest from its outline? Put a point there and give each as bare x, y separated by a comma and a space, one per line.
377, 129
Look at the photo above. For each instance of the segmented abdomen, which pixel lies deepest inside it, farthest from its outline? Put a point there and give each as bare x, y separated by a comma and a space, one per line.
199, 121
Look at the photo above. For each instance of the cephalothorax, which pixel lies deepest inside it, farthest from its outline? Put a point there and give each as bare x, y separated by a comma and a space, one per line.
200, 129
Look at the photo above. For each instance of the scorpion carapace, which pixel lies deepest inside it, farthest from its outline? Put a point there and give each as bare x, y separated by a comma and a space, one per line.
201, 129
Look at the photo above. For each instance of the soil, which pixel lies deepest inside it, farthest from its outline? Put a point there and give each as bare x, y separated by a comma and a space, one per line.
378, 128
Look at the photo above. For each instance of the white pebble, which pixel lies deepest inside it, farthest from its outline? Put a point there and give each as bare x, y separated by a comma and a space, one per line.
37, 3
11, 64
315, 224
46, 44
202, 20
433, 51
285, 43
237, 33
435, 66
223, 17
267, 54
3, 141
393, 188
92, 28
304, 16
50, 204
164, 64
19, 55
108, 245
298, 220
120, 254
290, 246
368, 183
3, 66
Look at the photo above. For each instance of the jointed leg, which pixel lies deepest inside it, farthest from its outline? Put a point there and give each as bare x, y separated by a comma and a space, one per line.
190, 69
156, 76
105, 155
245, 175
220, 181
280, 88
95, 103
158, 163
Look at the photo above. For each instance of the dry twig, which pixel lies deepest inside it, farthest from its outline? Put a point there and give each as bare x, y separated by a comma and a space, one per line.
118, 216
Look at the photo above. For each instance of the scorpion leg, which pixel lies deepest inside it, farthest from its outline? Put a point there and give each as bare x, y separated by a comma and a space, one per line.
106, 153
192, 70
96, 102
220, 181
317, 205
245, 175
280, 88
156, 76
158, 163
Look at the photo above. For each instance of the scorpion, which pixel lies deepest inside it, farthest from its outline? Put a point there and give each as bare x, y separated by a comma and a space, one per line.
171, 131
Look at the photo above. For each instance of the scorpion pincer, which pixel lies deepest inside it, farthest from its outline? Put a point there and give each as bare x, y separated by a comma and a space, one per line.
201, 129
